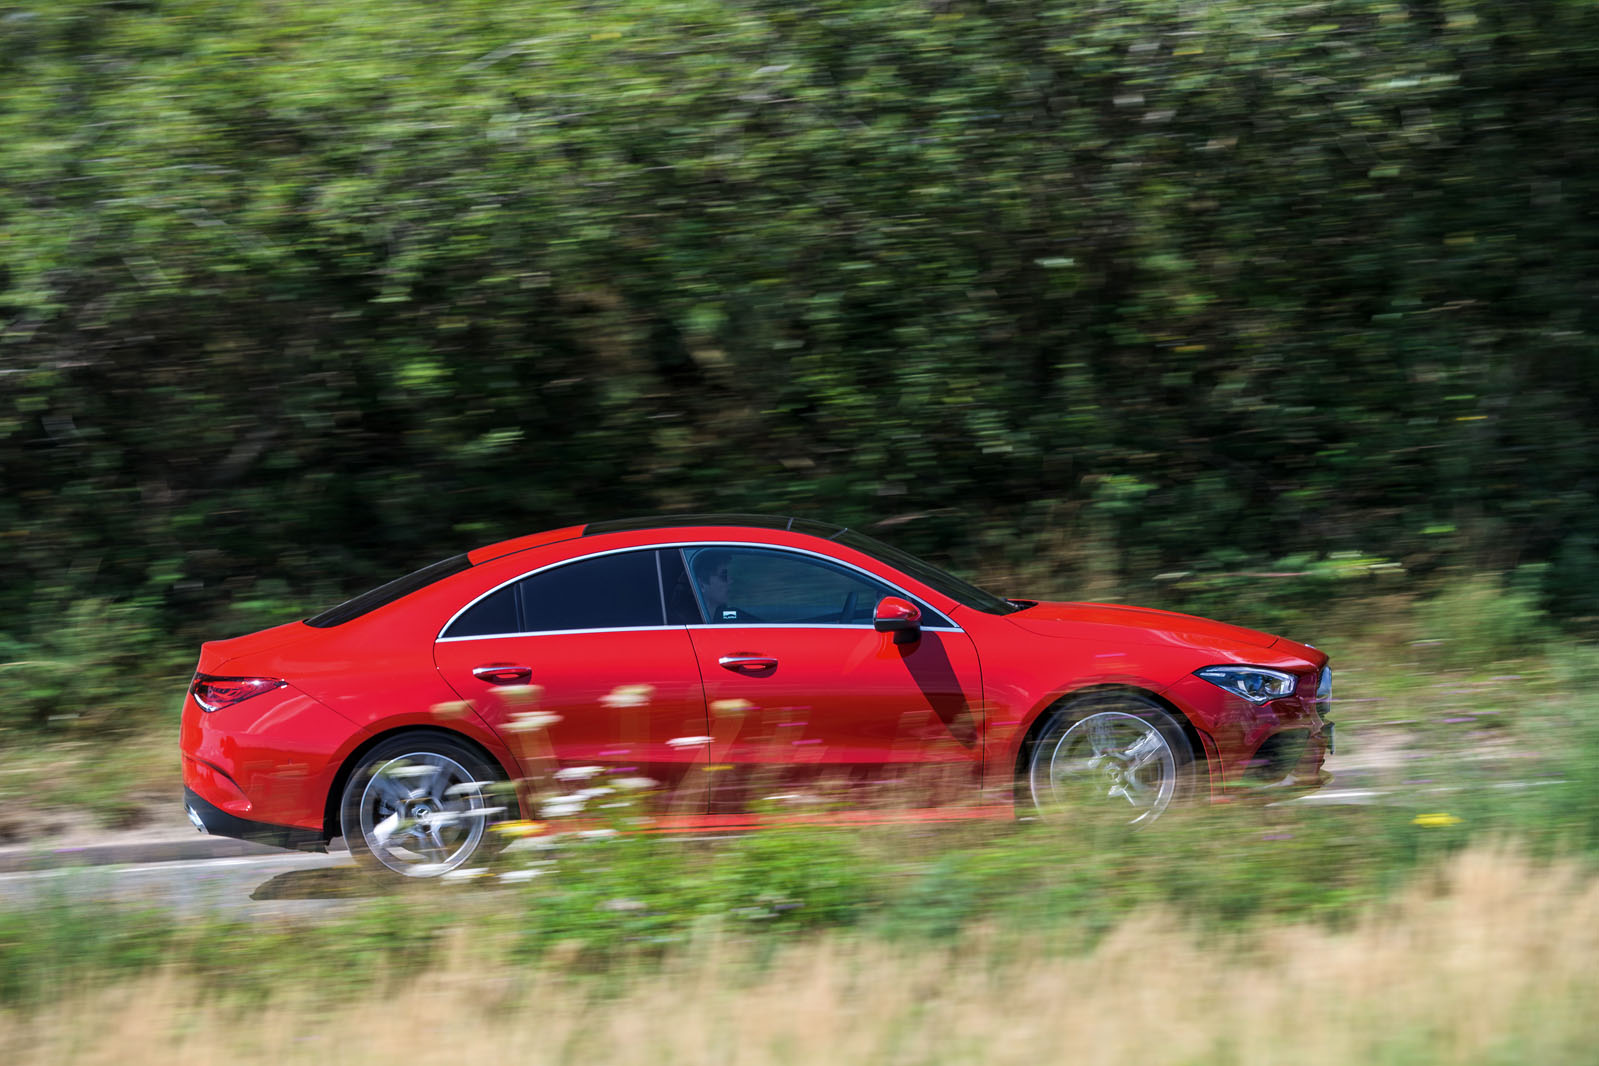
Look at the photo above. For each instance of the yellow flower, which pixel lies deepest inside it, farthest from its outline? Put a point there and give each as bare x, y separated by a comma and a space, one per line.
1433, 821
520, 829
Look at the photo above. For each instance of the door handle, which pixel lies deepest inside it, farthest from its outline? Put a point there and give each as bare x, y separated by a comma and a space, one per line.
747, 662
503, 673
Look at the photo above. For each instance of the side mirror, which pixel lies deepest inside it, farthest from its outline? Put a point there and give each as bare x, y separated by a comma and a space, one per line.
899, 617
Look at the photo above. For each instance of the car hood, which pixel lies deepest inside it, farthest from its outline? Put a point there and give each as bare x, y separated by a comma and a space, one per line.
1139, 625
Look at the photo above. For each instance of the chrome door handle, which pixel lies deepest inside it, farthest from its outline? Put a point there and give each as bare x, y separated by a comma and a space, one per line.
747, 662
503, 674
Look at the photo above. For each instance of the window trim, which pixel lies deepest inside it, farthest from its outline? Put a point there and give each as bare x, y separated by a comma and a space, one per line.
953, 627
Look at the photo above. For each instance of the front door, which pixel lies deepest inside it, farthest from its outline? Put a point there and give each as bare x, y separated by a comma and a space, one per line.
809, 704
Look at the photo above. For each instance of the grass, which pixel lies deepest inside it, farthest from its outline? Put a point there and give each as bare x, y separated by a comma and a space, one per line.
1445, 923
1486, 959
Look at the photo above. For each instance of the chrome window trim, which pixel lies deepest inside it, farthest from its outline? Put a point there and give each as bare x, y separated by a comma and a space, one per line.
663, 629
954, 627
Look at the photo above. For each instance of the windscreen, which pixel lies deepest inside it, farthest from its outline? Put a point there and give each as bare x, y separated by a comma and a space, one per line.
962, 592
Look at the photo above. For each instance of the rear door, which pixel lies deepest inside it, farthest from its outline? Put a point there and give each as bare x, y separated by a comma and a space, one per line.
576, 665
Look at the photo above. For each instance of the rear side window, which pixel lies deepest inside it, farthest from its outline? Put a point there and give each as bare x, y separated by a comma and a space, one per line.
608, 592
386, 594
494, 614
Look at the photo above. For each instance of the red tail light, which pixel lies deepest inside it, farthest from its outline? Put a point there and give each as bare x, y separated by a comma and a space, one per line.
215, 693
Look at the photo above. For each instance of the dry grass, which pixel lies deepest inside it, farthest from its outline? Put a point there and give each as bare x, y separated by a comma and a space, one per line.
1491, 960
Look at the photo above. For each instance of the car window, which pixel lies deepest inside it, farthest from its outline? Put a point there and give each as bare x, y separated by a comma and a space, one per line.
604, 592
682, 605
962, 592
744, 585
494, 614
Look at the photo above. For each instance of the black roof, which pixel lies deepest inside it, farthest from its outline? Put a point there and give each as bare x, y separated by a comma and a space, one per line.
751, 521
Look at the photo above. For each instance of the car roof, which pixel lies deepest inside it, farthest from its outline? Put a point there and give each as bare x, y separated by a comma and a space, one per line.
827, 530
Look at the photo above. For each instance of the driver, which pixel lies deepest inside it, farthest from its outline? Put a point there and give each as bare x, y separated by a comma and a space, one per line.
710, 571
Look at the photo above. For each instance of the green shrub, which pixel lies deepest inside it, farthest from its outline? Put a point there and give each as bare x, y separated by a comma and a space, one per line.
1484, 618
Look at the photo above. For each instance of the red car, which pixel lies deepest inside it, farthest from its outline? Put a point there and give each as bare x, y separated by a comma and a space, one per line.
741, 665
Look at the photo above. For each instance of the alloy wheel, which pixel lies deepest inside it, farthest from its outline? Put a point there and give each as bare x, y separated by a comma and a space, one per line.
423, 814
1116, 760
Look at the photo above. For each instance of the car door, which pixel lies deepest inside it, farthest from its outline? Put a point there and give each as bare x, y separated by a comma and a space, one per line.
588, 643
803, 693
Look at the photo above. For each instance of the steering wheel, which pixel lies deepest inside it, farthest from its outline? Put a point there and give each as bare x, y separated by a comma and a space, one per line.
849, 608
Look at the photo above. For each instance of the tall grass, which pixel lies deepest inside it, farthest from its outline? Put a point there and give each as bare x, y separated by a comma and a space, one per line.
1486, 960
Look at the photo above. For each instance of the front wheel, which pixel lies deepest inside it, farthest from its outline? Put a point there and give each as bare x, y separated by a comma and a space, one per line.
419, 805
1120, 754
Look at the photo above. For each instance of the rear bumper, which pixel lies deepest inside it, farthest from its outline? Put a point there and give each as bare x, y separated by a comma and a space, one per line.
208, 818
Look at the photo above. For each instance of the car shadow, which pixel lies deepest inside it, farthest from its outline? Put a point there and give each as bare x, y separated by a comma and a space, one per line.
333, 882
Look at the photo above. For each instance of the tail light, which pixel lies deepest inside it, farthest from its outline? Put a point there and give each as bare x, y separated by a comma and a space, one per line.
215, 693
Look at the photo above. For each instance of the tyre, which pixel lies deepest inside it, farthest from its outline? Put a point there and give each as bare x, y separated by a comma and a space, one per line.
420, 805
1120, 755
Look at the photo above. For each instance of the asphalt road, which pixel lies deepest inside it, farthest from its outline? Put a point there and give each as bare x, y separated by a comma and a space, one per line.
178, 869
276, 884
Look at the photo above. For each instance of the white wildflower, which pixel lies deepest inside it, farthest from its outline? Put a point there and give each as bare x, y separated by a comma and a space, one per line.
564, 807
529, 721
477, 812
628, 696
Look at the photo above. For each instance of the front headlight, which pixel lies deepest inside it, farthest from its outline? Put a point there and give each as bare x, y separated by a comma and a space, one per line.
1254, 683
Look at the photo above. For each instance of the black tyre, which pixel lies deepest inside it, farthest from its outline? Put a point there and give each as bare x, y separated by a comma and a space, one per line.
420, 805
1116, 754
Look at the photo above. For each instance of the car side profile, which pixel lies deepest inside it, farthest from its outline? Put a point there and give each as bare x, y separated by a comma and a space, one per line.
727, 660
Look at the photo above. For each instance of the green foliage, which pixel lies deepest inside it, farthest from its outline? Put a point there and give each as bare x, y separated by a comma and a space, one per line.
95, 671
320, 295
1291, 596
1480, 619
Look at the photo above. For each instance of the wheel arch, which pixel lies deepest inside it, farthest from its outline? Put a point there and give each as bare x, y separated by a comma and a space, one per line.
331, 805
1024, 750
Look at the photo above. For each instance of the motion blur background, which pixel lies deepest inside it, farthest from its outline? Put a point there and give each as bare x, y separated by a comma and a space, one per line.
297, 297
1281, 312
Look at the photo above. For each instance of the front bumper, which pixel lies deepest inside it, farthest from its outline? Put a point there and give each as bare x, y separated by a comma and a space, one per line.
208, 818
1269, 748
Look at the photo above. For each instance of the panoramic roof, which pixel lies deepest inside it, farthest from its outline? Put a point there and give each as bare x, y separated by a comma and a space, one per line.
752, 521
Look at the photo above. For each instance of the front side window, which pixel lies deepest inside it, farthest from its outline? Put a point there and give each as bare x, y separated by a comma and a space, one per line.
621, 591
738, 585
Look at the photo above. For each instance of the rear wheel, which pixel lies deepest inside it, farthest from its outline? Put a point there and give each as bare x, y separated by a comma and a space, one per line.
419, 805
1118, 754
